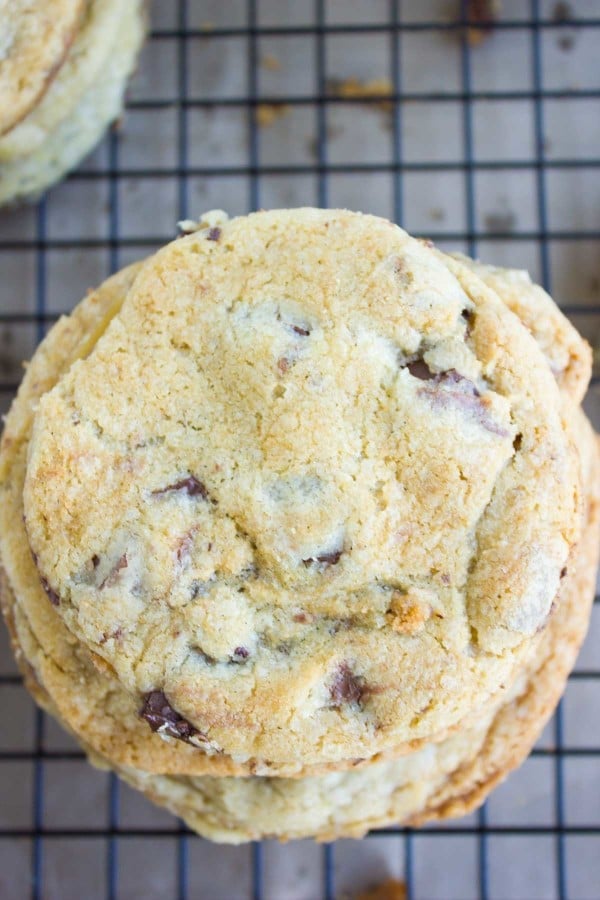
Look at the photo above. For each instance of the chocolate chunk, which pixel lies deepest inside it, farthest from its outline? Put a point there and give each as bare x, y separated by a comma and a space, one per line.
190, 485
51, 593
419, 369
113, 575
563, 572
453, 389
111, 635
330, 559
241, 653
214, 234
517, 443
162, 718
345, 687
184, 547
95, 561
458, 382
297, 329
325, 559
468, 316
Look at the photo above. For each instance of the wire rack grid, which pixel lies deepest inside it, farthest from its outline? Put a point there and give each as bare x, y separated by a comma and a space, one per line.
490, 148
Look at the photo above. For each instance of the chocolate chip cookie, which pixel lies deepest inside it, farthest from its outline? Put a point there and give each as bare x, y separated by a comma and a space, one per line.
309, 496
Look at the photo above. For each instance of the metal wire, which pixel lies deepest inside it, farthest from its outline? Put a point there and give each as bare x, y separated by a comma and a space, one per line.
253, 170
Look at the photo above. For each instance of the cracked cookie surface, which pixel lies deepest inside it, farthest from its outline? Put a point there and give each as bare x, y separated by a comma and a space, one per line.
312, 486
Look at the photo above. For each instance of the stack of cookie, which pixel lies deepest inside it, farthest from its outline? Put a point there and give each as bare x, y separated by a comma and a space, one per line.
64, 65
299, 524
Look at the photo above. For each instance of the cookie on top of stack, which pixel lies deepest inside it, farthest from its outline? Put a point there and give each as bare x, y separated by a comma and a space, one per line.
64, 66
299, 524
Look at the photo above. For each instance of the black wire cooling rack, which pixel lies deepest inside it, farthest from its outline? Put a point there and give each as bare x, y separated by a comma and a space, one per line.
548, 848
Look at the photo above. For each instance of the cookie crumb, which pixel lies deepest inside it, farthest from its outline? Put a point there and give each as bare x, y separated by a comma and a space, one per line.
187, 226
268, 113
391, 889
376, 89
211, 219
562, 14
407, 614
500, 222
270, 62
482, 15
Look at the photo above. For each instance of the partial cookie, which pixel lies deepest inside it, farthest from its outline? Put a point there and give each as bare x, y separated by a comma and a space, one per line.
101, 29
568, 354
73, 116
35, 36
332, 491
